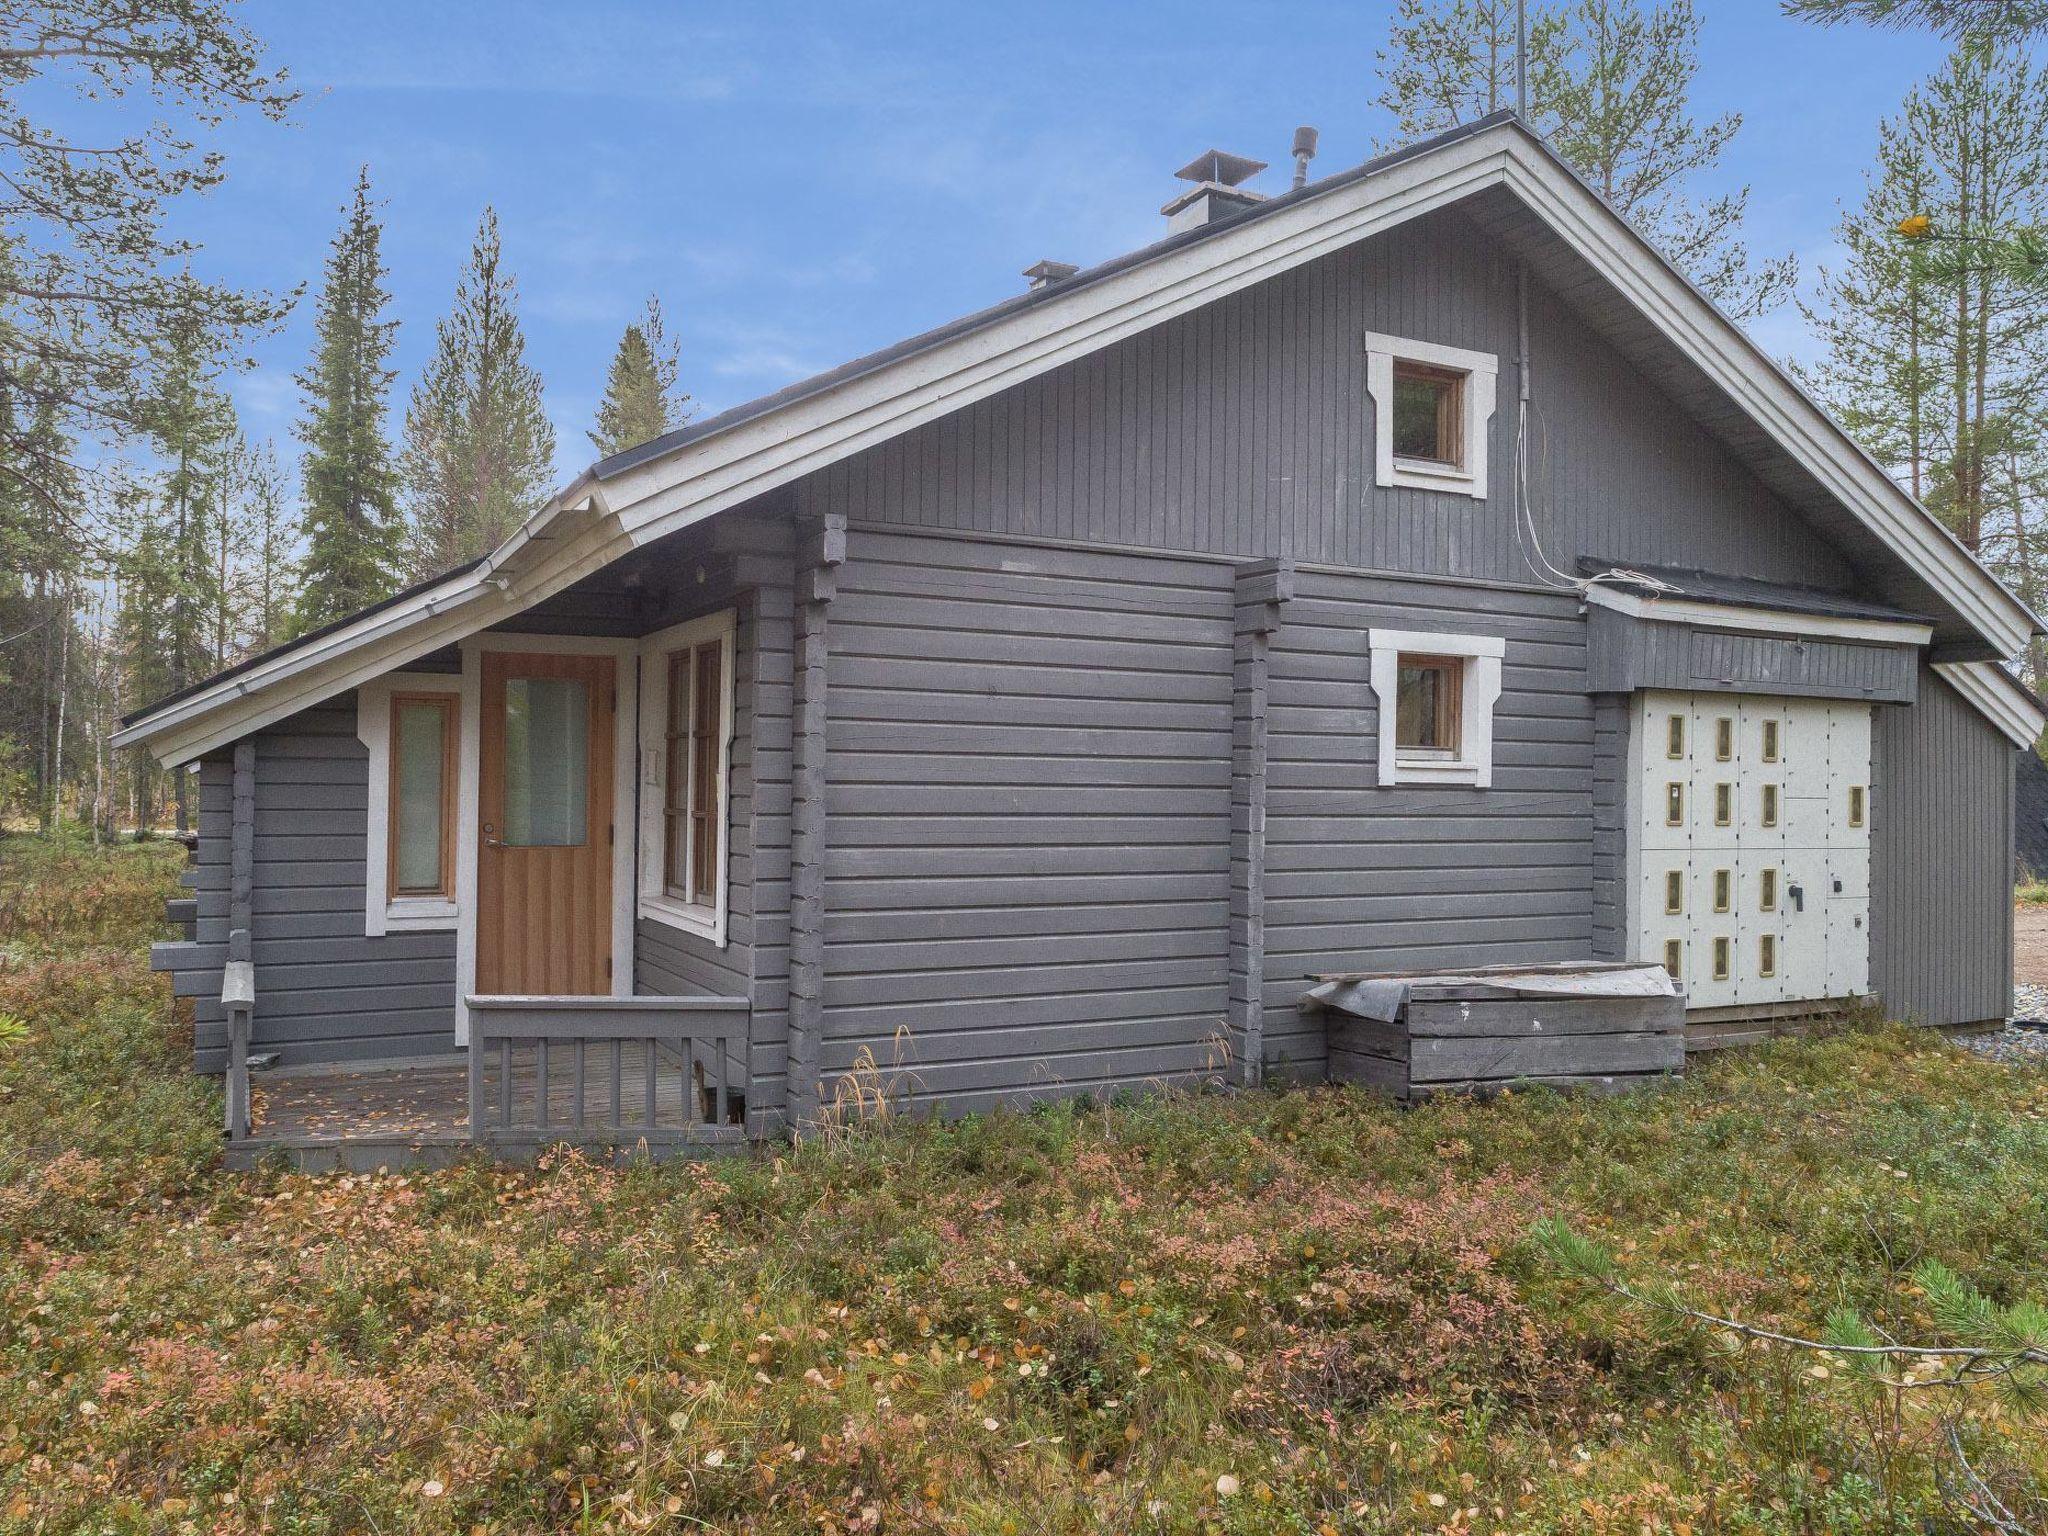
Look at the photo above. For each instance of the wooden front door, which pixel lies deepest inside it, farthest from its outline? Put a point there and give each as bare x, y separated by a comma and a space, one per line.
544, 813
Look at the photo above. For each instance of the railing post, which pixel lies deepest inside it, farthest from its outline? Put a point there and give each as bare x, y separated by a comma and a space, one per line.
238, 1073
476, 1085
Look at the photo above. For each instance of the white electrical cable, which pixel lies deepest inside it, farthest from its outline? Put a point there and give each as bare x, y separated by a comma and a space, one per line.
1525, 518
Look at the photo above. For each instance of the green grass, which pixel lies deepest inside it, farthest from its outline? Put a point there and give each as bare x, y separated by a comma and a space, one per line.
1074, 1320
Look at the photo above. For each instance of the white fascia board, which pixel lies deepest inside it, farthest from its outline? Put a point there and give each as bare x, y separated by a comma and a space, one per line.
1996, 695
1767, 394
1770, 621
374, 645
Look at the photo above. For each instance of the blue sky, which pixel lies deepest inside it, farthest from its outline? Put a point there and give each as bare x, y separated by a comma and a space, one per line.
802, 182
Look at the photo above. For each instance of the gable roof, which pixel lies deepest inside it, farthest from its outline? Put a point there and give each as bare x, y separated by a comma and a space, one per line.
684, 477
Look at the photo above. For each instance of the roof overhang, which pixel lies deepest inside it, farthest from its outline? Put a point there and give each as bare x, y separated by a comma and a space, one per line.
681, 480
1767, 621
1999, 697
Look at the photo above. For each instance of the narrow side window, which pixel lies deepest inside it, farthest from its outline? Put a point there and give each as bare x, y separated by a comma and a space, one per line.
422, 816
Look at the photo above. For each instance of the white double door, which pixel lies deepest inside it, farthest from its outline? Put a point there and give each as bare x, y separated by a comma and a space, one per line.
1750, 845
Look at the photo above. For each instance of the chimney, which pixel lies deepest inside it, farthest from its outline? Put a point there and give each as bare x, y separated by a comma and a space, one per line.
1215, 193
1044, 274
1304, 151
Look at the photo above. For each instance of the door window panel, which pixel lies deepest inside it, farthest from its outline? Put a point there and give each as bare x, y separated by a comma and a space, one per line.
547, 762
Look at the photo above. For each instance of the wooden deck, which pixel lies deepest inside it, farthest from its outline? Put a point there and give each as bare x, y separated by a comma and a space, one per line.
418, 1116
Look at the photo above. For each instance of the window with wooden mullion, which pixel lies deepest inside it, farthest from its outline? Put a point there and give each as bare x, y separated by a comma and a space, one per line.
695, 769
706, 769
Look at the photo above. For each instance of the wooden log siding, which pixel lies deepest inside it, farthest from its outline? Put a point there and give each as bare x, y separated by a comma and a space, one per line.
328, 993
1612, 714
1260, 589
1028, 866
1363, 878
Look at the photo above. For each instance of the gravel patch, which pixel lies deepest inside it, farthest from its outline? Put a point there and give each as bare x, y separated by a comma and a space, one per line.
2021, 1042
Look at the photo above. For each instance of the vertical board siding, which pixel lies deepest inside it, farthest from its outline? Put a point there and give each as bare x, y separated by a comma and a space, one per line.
1027, 855
1244, 429
1941, 865
1365, 878
324, 991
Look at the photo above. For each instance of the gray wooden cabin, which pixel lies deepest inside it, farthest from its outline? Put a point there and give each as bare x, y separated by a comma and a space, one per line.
1041, 705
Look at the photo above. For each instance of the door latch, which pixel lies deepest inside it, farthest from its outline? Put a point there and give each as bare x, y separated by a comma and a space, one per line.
1798, 895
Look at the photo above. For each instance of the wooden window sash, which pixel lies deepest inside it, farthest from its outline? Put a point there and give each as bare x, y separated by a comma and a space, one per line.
1449, 384
442, 704
693, 781
1447, 723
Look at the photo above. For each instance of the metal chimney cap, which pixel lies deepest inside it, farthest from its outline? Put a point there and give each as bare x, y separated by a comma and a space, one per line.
1044, 274
1224, 169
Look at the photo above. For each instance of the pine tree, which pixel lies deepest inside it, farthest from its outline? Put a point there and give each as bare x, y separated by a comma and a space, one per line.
641, 399
479, 449
1450, 61
353, 536
1936, 356
1610, 87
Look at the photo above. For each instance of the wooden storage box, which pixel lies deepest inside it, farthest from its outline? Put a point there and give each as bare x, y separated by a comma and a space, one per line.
1484, 1030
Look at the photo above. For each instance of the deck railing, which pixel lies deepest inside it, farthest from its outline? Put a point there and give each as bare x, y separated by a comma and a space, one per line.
616, 1072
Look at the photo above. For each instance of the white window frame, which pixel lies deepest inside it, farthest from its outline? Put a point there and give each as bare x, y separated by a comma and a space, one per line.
1479, 691
656, 903
384, 912
1480, 369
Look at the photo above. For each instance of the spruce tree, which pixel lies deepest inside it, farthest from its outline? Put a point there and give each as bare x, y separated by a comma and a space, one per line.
1610, 88
479, 449
351, 514
641, 400
193, 429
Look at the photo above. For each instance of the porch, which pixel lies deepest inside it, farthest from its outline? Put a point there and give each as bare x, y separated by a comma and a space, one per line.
613, 1076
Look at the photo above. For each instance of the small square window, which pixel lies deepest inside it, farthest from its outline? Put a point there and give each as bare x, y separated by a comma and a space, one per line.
1429, 414
1724, 887
1724, 740
1432, 405
1767, 890
1770, 806
1674, 892
1855, 805
1767, 954
1429, 700
1435, 696
1674, 737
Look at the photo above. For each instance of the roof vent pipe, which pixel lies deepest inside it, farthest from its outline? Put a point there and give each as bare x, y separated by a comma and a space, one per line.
1043, 274
1215, 193
1304, 151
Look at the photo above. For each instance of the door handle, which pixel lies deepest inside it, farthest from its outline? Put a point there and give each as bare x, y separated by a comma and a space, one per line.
1798, 895
490, 840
